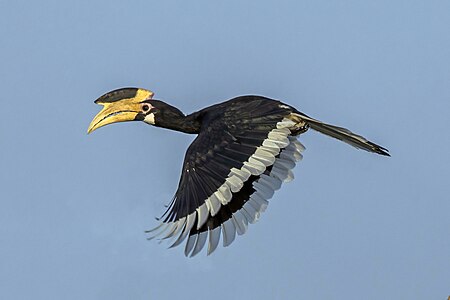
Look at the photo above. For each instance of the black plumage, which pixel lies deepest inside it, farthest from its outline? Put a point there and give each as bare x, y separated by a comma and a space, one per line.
230, 133
245, 148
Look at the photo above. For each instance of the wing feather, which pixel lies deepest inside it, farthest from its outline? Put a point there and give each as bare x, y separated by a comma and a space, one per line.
230, 171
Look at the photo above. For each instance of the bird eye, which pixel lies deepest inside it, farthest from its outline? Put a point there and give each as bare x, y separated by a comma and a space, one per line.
145, 107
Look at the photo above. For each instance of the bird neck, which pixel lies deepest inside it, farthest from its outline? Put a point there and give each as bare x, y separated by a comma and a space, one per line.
172, 118
186, 124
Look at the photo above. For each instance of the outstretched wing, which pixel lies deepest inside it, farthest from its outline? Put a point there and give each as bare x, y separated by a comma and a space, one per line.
241, 156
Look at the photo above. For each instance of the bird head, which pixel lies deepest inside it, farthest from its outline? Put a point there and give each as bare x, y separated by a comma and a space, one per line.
122, 105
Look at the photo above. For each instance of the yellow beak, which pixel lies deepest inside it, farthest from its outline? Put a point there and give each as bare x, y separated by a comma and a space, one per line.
121, 110
113, 113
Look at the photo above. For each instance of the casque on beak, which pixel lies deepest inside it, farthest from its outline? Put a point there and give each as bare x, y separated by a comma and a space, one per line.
119, 106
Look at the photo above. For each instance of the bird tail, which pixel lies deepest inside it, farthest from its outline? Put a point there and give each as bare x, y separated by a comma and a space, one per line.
342, 134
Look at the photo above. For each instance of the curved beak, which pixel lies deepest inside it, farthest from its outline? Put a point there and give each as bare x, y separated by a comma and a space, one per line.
119, 106
113, 113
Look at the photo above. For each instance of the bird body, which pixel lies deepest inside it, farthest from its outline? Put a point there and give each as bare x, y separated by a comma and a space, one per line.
245, 149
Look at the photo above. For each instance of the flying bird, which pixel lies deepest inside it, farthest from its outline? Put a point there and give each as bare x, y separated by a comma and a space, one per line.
245, 149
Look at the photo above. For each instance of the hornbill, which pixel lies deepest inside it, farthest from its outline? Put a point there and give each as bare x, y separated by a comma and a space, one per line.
245, 148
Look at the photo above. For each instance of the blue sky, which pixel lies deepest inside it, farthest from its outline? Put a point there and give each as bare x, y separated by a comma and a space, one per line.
353, 225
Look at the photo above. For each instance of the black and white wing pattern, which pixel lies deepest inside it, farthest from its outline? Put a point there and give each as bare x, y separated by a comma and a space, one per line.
230, 171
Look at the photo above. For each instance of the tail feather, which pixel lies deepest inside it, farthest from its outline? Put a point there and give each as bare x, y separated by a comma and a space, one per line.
344, 135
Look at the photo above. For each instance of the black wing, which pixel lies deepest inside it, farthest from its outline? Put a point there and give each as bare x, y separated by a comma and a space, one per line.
242, 155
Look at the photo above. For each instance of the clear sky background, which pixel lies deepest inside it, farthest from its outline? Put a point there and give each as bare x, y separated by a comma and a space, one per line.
353, 225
